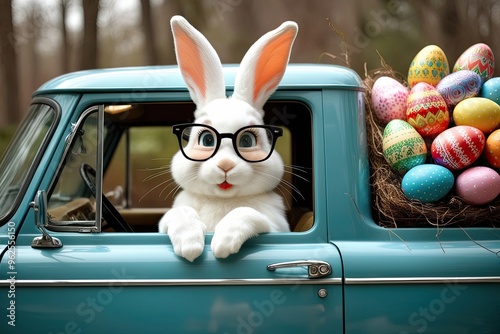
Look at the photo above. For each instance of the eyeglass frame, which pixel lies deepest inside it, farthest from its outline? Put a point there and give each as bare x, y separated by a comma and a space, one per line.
275, 131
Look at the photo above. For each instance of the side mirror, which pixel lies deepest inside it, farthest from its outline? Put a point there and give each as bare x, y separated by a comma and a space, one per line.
39, 206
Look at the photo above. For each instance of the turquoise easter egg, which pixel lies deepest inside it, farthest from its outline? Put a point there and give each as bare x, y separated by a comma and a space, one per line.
491, 90
427, 183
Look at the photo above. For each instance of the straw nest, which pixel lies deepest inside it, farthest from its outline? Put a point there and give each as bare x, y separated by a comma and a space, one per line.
390, 206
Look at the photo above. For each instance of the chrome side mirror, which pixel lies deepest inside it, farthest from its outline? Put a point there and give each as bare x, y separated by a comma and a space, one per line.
39, 206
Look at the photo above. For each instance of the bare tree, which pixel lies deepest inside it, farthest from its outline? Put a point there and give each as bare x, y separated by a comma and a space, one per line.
89, 47
31, 31
9, 63
65, 56
147, 29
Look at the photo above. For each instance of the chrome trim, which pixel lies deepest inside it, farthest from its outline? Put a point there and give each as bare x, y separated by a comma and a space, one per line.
421, 280
252, 281
170, 282
315, 268
99, 167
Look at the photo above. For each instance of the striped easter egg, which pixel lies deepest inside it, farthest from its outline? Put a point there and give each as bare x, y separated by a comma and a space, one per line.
458, 147
426, 110
403, 147
478, 58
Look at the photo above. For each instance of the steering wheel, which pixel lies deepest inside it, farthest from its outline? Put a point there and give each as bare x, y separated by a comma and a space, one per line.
109, 212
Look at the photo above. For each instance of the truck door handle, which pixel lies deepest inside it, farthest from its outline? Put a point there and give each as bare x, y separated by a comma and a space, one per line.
315, 268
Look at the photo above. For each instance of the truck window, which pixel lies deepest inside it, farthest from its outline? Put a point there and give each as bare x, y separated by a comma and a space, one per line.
138, 148
71, 204
21, 158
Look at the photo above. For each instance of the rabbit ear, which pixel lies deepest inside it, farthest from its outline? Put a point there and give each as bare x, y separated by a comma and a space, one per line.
199, 63
264, 64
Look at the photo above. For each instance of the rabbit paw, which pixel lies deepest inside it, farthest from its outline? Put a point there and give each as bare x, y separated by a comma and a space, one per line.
225, 243
186, 232
189, 243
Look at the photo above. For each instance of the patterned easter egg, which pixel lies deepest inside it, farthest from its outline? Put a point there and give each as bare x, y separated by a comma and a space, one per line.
491, 90
478, 185
427, 183
426, 110
479, 112
458, 86
478, 58
492, 149
430, 65
403, 147
458, 147
389, 98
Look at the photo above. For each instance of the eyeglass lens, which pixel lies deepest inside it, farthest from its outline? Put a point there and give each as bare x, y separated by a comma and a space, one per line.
252, 144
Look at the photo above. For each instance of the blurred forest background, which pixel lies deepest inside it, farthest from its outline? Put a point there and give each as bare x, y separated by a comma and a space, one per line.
41, 39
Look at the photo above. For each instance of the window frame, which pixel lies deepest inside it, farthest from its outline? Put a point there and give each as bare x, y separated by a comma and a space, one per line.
93, 226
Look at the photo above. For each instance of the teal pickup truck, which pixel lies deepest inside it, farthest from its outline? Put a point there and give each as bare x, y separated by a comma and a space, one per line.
73, 262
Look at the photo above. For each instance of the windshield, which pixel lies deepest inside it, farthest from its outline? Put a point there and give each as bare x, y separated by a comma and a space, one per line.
19, 161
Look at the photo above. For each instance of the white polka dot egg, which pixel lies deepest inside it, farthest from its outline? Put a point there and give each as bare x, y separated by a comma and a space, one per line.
478, 185
427, 183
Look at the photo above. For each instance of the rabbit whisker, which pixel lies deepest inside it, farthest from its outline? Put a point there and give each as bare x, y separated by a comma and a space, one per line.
168, 182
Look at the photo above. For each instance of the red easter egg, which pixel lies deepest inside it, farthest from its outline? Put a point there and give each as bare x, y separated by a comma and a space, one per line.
426, 110
478, 58
458, 147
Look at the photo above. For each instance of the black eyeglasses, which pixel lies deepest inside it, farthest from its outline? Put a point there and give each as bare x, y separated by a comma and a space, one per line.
254, 143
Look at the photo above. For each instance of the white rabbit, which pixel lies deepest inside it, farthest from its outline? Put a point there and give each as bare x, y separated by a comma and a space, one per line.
226, 194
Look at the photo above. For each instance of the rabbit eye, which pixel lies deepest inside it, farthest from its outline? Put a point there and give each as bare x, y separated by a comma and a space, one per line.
247, 139
206, 139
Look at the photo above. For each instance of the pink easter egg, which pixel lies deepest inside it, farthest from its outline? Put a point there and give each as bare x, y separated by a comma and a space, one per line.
478, 185
389, 98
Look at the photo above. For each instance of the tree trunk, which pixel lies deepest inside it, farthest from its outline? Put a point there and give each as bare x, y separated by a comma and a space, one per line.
9, 63
64, 37
149, 38
89, 46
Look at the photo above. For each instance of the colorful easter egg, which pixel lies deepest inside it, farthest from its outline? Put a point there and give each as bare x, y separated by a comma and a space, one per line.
478, 185
389, 98
479, 112
403, 147
491, 90
492, 149
427, 183
430, 65
458, 86
478, 58
458, 147
426, 110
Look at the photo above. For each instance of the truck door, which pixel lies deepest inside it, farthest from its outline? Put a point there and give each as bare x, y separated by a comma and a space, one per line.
79, 277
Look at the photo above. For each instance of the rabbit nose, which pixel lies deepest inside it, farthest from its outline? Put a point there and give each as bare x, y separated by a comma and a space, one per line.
226, 165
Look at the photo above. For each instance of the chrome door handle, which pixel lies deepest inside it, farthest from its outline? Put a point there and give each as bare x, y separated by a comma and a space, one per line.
315, 268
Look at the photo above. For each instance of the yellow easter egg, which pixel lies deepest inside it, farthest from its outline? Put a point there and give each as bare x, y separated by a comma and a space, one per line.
430, 65
479, 112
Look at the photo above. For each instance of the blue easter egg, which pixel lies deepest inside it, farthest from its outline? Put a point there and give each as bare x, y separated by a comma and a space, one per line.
459, 86
427, 183
491, 90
